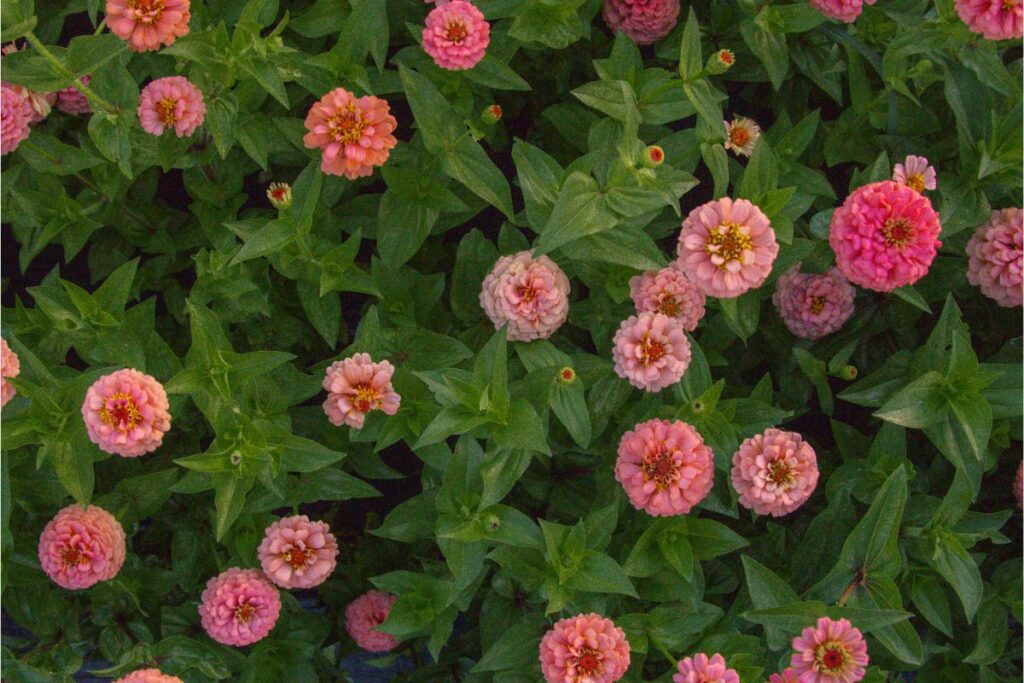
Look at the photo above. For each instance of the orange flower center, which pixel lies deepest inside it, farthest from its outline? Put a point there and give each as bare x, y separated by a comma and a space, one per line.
568, 374
780, 473
1009, 5
279, 193
146, 11
455, 31
71, 556
659, 468
897, 232
119, 411
298, 559
657, 155
739, 136
668, 305
346, 126
831, 657
526, 293
166, 108
366, 397
817, 304
916, 181
650, 351
728, 242
588, 664
725, 56
243, 613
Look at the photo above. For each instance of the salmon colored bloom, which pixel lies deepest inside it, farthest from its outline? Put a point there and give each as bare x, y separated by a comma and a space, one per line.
71, 101
741, 134
993, 19
644, 21
788, 675
81, 547
148, 676
357, 385
298, 553
841, 10
665, 467
171, 102
703, 669
239, 607
10, 366
651, 351
813, 305
530, 294
15, 116
355, 133
831, 652
362, 617
996, 257
456, 35
670, 292
126, 413
774, 472
148, 25
587, 647
915, 172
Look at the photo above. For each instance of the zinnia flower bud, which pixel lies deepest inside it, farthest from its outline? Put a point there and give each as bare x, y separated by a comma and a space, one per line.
239, 607
720, 62
774, 472
665, 467
587, 647
530, 294
996, 258
362, 617
298, 553
10, 366
831, 652
357, 385
654, 156
280, 195
81, 547
491, 114
848, 372
702, 669
148, 676
148, 25
566, 375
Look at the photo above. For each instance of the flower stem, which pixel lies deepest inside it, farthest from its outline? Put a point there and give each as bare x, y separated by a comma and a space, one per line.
852, 588
662, 649
99, 29
93, 98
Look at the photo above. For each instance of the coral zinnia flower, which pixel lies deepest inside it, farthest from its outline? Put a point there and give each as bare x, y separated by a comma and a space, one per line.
10, 366
148, 25
239, 607
915, 172
996, 258
832, 652
148, 676
670, 292
355, 133
813, 305
456, 35
81, 547
362, 617
125, 413
651, 351
644, 21
298, 553
357, 385
587, 647
993, 19
171, 102
530, 294
774, 472
15, 116
741, 134
665, 467
841, 10
702, 669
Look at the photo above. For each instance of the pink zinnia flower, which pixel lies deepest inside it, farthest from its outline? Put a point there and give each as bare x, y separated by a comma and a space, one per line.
71, 101
357, 385
171, 102
148, 25
239, 607
995, 262
774, 472
1018, 485
833, 652
788, 675
993, 19
298, 553
813, 305
741, 134
125, 413
148, 676
727, 247
670, 292
651, 351
644, 21
40, 103
841, 10
15, 117
530, 294
362, 617
665, 467
456, 35
355, 133
585, 648
81, 547
915, 172
885, 235
702, 669
10, 366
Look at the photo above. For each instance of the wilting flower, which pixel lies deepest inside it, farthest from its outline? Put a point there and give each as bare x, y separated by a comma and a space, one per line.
81, 547
71, 101
239, 607
915, 172
644, 21
741, 134
995, 260
15, 117
885, 235
355, 133
993, 19
491, 115
832, 652
774, 472
841, 10
125, 413
651, 351
1018, 485
357, 385
813, 305
456, 35
670, 292
148, 25
587, 647
530, 294
148, 676
40, 103
665, 467
788, 675
280, 195
362, 617
298, 553
10, 366
727, 247
654, 156
171, 102
702, 669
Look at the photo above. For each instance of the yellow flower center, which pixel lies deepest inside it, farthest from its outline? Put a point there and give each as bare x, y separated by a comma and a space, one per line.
455, 31
780, 473
650, 351
897, 233
146, 11
346, 126
526, 293
739, 136
243, 613
296, 558
1009, 5
366, 397
916, 181
659, 468
119, 411
817, 304
728, 242
166, 108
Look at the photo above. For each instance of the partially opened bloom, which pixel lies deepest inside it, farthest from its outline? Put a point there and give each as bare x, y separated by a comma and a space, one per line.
811, 304
298, 553
774, 472
996, 257
280, 195
148, 676
15, 117
10, 366
148, 25
665, 467
788, 675
670, 292
993, 19
727, 247
651, 351
885, 235
126, 413
71, 101
587, 647
831, 652
456, 35
171, 102
40, 103
841, 10
357, 385
530, 294
644, 21
239, 607
741, 134
915, 172
81, 547
703, 669
354, 133
362, 617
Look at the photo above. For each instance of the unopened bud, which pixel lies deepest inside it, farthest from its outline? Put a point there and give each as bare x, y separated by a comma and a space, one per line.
566, 375
654, 156
720, 62
493, 523
848, 372
236, 458
280, 195
491, 115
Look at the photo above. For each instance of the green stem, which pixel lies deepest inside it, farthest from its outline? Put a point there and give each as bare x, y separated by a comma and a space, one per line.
99, 29
662, 649
93, 98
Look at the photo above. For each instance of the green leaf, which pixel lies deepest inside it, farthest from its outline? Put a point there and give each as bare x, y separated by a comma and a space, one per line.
324, 312
86, 54
540, 177
229, 498
768, 590
579, 211
709, 539
614, 98
599, 573
402, 227
522, 429
467, 162
912, 297
270, 238
73, 464
762, 172
494, 73
691, 62
570, 407
795, 616
742, 313
930, 600
992, 633
955, 565
516, 649
921, 403
769, 47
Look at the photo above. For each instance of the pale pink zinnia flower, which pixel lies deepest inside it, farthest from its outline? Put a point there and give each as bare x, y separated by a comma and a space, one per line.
651, 351
126, 413
670, 292
355, 133
456, 35
788, 675
40, 103
148, 25
148, 676
885, 235
774, 472
15, 116
665, 467
171, 102
993, 19
644, 21
81, 547
587, 648
832, 652
530, 294
813, 305
702, 669
741, 134
841, 10
727, 247
298, 553
71, 101
915, 172
239, 607
10, 366
357, 385
995, 260
362, 617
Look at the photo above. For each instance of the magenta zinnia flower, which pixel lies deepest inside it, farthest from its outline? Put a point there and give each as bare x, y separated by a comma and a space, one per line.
885, 235
651, 351
71, 101
456, 35
741, 134
587, 648
125, 413
665, 467
669, 292
15, 117
171, 102
644, 21
774, 472
915, 172
362, 617
357, 385
148, 25
702, 669
995, 260
355, 133
841, 10
832, 652
788, 675
10, 366
530, 294
993, 19
81, 547
239, 607
813, 305
298, 553
148, 676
